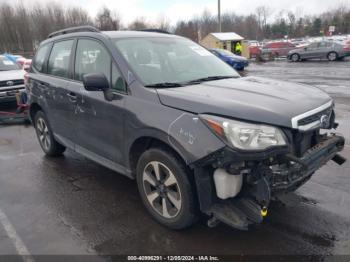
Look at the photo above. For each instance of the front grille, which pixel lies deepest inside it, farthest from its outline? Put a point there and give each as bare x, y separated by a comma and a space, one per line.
310, 119
16, 82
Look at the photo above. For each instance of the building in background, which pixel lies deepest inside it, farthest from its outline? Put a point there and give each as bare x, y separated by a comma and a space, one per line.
225, 41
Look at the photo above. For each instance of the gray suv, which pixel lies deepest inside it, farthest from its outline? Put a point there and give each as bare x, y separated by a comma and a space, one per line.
196, 136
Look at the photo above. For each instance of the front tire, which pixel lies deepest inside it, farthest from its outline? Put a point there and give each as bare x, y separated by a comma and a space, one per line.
45, 136
295, 58
332, 56
165, 189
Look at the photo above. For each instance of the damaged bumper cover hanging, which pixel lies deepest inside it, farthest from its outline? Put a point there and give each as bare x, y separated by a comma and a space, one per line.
265, 176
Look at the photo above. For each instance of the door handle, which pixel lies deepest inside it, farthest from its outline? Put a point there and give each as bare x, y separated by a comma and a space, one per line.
72, 97
42, 85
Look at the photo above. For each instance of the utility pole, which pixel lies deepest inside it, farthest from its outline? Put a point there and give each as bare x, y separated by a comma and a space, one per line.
219, 15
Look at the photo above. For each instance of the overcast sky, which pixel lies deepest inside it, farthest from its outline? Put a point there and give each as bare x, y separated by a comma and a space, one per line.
185, 9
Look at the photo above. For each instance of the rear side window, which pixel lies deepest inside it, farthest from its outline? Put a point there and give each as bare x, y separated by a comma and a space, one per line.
59, 59
91, 57
40, 57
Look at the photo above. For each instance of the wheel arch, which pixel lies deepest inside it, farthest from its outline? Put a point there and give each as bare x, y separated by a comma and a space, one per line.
335, 52
33, 109
147, 141
295, 53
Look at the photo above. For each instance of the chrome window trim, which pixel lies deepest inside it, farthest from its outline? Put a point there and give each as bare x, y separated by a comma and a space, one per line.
309, 113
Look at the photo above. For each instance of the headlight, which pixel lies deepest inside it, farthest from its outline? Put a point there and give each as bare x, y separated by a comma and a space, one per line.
244, 135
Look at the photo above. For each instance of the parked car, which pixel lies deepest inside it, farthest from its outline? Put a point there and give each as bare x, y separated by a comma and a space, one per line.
11, 79
27, 64
277, 49
323, 49
165, 111
254, 49
236, 61
20, 61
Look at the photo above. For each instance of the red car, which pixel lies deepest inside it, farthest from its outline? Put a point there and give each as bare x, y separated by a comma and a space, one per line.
277, 48
254, 49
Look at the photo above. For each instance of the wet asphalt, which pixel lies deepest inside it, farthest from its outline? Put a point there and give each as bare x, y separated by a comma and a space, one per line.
70, 205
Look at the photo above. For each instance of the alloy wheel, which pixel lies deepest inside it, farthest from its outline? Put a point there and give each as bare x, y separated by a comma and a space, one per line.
162, 189
43, 134
295, 58
332, 56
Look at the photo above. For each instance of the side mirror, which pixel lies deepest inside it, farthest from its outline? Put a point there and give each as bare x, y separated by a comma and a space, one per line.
305, 48
95, 82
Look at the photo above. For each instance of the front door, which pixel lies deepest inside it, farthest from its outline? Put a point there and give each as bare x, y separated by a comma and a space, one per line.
100, 129
311, 51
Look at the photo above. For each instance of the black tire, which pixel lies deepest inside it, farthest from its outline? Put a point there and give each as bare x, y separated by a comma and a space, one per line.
332, 56
180, 218
295, 57
45, 136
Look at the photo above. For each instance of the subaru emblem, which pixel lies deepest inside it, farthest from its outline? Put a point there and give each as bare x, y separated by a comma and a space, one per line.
9, 83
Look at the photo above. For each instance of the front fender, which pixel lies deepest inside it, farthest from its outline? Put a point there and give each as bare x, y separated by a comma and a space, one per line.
188, 131
185, 133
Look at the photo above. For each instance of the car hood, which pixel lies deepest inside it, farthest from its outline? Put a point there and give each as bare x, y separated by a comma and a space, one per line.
237, 58
250, 98
11, 75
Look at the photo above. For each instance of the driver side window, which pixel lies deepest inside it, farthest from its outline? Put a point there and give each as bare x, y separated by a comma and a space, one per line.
313, 45
91, 57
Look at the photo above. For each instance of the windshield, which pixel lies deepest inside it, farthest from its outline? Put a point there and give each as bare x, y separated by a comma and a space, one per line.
6, 64
171, 60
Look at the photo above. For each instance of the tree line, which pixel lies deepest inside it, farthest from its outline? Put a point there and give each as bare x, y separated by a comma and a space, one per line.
23, 28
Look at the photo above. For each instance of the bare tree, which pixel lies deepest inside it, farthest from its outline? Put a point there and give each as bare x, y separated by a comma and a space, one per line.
262, 14
22, 28
107, 20
163, 23
139, 24
188, 29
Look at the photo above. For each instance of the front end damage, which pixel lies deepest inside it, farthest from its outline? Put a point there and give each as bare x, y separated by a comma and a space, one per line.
254, 179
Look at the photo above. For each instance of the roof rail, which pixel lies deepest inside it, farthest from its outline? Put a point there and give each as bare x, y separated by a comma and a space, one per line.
156, 31
86, 28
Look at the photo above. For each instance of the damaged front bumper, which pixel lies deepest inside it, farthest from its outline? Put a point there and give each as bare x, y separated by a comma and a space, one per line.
265, 176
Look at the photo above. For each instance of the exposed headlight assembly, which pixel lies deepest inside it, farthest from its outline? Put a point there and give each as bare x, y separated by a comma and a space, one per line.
245, 136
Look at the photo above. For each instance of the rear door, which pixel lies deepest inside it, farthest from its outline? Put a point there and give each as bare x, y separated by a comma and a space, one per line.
48, 81
321, 50
60, 101
101, 122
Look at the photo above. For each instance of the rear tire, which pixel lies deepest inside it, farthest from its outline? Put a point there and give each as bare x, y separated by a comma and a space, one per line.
45, 136
165, 189
332, 56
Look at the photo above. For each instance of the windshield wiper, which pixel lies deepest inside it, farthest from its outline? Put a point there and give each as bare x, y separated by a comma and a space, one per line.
196, 81
209, 78
165, 85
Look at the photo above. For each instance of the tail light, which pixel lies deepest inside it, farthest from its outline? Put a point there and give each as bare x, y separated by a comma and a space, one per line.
347, 47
